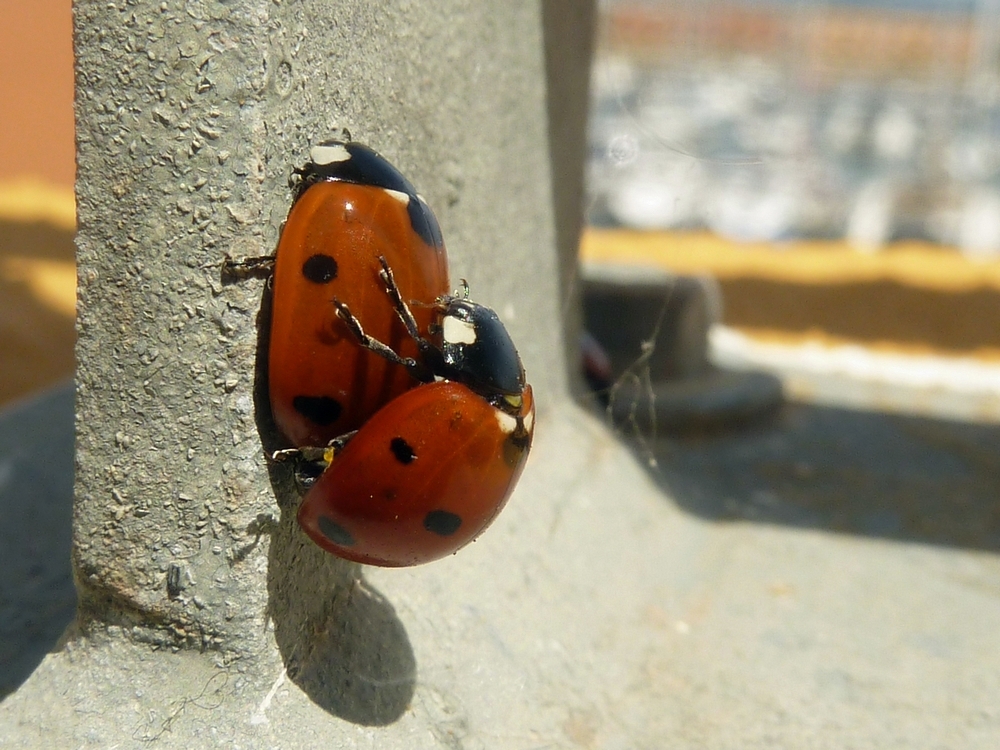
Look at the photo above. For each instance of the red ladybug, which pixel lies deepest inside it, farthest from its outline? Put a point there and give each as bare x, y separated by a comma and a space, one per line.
351, 208
430, 470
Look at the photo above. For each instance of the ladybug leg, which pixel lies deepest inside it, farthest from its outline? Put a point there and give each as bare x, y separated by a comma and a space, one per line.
427, 349
311, 462
321, 455
311, 454
248, 268
397, 300
417, 370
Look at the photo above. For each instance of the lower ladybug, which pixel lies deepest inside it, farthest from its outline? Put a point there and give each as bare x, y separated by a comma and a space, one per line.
430, 470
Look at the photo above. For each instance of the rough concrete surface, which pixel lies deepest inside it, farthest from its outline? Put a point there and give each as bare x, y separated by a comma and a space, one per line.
595, 613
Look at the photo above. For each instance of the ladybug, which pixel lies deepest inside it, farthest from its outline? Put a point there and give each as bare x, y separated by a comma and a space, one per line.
351, 207
431, 469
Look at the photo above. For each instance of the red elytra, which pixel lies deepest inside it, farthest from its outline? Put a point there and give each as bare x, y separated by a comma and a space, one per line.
321, 383
422, 478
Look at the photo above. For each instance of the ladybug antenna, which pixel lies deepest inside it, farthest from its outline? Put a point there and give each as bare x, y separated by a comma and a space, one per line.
465, 289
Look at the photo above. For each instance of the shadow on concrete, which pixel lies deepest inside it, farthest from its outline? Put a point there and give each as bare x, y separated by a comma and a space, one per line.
37, 597
854, 472
339, 638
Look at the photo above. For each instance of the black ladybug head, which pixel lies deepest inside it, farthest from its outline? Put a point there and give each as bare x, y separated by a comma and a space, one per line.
478, 351
345, 161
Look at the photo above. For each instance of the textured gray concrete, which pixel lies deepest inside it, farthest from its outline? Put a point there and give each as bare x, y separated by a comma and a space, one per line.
569, 28
595, 613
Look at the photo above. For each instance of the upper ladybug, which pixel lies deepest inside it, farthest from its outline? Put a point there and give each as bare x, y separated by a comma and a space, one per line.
351, 208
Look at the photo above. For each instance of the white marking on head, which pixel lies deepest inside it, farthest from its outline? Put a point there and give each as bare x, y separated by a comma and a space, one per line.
507, 423
529, 421
399, 195
458, 331
329, 154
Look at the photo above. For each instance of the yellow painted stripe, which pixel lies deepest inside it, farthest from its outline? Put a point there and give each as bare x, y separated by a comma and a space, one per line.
30, 199
52, 282
914, 264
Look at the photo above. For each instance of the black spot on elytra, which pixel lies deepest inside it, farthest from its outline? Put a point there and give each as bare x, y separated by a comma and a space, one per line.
402, 450
321, 410
320, 269
335, 532
442, 523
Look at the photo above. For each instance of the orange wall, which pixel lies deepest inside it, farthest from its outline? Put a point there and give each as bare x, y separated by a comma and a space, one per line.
36, 91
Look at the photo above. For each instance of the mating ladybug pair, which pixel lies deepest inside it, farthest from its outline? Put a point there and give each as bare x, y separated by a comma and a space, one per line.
413, 401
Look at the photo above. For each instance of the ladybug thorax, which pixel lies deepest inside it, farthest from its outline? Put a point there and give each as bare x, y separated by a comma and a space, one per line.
477, 351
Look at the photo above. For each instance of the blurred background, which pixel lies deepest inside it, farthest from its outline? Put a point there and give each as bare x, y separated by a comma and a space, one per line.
37, 306
37, 215
834, 166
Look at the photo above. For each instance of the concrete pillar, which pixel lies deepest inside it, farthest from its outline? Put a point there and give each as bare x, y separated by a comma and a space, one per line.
190, 119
